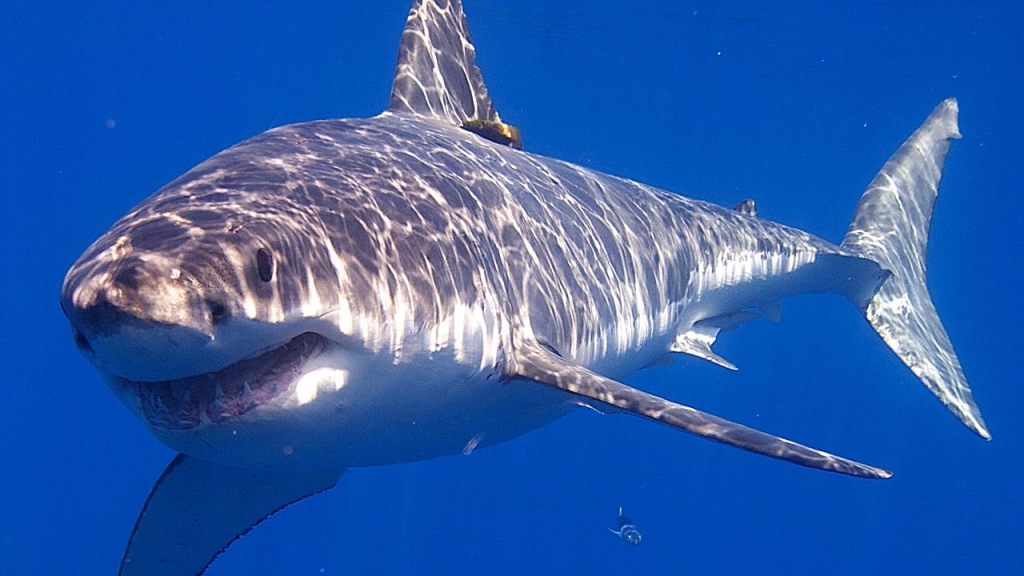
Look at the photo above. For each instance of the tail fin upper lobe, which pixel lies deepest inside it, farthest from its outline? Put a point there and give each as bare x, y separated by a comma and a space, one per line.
891, 227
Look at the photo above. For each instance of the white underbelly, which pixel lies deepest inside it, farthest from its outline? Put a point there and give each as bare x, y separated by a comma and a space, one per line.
377, 413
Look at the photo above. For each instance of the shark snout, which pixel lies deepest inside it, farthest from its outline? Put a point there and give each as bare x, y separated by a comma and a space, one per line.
134, 314
138, 294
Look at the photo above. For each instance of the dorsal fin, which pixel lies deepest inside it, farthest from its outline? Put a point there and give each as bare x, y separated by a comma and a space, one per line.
437, 74
747, 207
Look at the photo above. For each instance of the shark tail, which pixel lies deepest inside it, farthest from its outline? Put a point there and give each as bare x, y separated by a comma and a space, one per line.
890, 227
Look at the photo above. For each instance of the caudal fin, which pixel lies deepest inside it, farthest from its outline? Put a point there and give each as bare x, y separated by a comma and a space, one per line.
891, 227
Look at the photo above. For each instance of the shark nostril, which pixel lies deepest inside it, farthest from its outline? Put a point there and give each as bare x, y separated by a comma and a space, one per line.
218, 312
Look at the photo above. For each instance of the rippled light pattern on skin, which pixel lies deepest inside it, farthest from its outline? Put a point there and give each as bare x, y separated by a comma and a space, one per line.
362, 292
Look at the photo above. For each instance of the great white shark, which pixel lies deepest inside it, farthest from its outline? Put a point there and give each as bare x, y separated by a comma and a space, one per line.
361, 292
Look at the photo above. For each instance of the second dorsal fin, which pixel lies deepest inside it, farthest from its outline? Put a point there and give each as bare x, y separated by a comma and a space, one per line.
436, 75
747, 207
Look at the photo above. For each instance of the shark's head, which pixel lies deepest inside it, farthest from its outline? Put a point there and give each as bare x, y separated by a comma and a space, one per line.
217, 297
173, 276
267, 285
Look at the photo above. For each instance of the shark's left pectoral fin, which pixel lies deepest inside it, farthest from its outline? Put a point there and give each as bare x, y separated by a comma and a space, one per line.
197, 509
533, 361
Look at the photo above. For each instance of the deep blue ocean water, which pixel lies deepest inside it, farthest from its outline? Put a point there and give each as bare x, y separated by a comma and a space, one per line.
796, 105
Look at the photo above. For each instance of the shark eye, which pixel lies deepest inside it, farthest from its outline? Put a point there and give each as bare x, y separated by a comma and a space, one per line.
265, 264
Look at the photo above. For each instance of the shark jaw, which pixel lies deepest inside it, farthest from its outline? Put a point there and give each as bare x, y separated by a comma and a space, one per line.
226, 394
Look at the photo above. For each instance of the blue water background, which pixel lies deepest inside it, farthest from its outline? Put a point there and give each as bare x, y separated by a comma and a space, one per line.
796, 105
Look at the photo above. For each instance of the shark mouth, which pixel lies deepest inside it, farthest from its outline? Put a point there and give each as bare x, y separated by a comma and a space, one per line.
227, 394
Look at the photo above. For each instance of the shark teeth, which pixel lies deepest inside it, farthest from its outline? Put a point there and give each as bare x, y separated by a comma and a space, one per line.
229, 393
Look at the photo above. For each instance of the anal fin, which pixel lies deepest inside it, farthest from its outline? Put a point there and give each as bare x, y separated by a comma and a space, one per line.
535, 362
197, 509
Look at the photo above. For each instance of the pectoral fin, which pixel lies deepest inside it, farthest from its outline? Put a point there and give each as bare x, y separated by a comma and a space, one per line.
535, 362
197, 509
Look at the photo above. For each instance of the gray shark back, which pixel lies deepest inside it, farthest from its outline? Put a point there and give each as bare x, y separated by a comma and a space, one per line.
592, 265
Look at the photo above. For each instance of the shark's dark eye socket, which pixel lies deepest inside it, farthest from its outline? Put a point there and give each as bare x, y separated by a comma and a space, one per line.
265, 264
